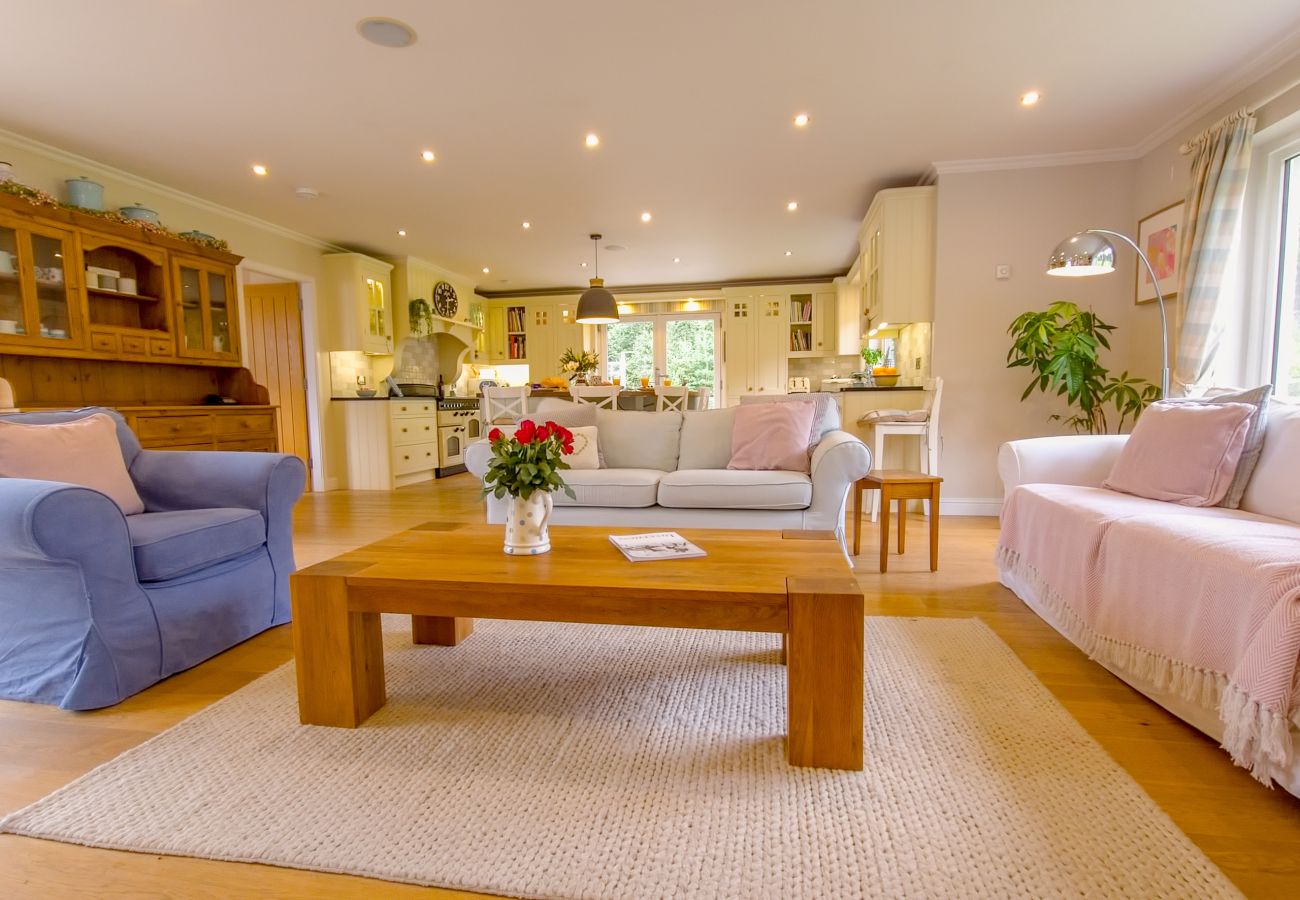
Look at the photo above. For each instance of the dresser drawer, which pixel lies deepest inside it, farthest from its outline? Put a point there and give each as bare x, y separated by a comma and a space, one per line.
134, 343
161, 347
402, 408
414, 430
415, 458
256, 444
156, 428
105, 342
245, 423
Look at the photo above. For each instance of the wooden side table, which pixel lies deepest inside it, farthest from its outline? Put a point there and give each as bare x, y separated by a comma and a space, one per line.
900, 485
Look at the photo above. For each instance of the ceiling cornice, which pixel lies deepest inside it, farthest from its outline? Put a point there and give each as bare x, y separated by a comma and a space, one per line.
677, 287
1035, 161
81, 163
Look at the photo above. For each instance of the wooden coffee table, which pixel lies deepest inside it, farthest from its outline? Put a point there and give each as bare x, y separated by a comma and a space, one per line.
444, 576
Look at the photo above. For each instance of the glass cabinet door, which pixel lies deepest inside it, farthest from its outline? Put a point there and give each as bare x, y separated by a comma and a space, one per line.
376, 326
53, 305
13, 315
191, 300
219, 314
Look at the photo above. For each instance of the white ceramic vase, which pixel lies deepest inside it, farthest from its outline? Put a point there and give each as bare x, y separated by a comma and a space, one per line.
526, 533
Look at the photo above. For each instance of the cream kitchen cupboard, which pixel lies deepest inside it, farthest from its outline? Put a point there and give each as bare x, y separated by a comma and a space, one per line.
534, 332
812, 324
390, 443
358, 291
896, 265
754, 333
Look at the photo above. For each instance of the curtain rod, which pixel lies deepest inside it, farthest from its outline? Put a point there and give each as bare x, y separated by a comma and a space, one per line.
1193, 143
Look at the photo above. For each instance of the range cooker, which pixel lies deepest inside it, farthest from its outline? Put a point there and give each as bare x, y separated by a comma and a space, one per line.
458, 425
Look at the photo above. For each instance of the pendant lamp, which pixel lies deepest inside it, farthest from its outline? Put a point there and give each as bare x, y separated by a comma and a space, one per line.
597, 306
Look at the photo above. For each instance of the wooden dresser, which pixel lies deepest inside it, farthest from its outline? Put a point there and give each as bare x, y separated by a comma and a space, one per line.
204, 427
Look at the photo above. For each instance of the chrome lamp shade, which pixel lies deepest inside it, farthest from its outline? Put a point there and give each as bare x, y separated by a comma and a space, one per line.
597, 306
1085, 253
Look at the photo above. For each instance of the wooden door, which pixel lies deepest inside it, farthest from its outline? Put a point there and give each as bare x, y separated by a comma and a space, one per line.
276, 360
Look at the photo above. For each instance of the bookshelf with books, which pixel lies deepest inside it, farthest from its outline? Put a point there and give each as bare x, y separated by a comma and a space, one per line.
516, 333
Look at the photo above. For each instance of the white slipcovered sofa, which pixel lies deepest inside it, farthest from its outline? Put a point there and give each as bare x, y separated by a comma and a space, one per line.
669, 470
1197, 608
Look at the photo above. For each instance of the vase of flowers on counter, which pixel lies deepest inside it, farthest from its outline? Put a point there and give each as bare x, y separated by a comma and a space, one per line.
526, 467
579, 365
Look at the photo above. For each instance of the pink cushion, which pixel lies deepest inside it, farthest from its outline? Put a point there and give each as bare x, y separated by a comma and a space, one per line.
84, 452
1185, 453
771, 436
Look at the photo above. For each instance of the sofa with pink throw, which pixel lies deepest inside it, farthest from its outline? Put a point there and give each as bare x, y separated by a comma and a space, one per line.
1198, 607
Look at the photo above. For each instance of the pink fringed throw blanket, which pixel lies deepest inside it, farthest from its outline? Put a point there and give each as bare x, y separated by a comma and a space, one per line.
1201, 602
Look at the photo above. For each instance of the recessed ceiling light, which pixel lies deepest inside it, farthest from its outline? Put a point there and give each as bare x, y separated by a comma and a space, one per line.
792, 205
593, 140
645, 217
259, 169
883, 325
486, 270
788, 252
584, 265
401, 232
527, 225
1030, 98
427, 155
386, 32
677, 259
801, 120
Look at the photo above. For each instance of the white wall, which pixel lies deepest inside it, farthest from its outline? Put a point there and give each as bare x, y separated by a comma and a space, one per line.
1013, 217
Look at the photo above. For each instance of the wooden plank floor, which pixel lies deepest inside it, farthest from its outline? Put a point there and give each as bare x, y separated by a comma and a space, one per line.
1250, 832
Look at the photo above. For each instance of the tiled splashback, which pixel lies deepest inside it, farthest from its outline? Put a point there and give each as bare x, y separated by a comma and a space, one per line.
817, 368
912, 343
346, 365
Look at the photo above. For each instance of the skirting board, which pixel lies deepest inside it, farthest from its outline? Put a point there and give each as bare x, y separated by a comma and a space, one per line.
970, 506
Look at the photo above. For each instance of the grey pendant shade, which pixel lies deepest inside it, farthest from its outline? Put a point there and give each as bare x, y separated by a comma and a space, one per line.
597, 306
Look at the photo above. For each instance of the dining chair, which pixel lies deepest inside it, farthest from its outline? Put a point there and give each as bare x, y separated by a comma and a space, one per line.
504, 405
604, 396
702, 398
675, 398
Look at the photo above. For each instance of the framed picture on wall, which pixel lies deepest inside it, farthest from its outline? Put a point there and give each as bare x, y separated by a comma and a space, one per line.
1158, 236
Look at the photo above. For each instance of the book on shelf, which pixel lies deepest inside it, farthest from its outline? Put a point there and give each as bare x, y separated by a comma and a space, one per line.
655, 545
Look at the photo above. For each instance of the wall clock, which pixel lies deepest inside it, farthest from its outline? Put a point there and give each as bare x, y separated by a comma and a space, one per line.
444, 300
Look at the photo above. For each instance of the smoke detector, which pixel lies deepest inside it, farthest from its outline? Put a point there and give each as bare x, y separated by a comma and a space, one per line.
386, 32
306, 193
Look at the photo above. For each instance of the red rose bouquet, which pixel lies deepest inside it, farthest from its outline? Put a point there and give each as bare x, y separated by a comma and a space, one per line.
529, 460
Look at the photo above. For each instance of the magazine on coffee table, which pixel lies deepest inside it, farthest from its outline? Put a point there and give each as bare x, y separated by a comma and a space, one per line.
656, 545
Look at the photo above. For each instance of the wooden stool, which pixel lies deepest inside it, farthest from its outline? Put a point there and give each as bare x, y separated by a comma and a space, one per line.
900, 485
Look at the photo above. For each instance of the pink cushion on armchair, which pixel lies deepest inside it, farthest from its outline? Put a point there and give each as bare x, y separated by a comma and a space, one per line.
84, 451
1185, 453
772, 436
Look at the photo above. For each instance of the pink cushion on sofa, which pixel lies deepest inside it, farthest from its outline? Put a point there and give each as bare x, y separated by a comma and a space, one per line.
771, 436
84, 452
1185, 453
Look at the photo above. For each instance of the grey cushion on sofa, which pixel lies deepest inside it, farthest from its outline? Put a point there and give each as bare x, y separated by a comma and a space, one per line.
706, 438
1257, 397
734, 489
171, 544
639, 440
628, 488
570, 415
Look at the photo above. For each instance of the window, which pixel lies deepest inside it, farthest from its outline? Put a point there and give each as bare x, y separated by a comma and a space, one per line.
1286, 320
680, 346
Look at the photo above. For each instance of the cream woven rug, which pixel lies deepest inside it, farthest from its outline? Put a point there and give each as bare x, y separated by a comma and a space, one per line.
591, 761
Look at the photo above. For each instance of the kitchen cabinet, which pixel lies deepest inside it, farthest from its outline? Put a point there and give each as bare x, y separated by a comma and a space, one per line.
37, 287
390, 443
850, 321
535, 333
812, 324
897, 256
494, 334
754, 333
207, 315
359, 291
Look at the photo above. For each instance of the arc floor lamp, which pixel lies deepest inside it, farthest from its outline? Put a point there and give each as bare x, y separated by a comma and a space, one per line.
1091, 253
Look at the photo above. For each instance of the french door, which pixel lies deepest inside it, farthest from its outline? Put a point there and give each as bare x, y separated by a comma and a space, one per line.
682, 347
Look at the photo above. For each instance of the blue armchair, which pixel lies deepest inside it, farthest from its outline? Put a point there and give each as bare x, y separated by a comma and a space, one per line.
96, 606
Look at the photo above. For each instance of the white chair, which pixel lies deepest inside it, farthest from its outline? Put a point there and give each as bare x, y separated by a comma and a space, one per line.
702, 396
6, 397
602, 395
504, 405
922, 423
675, 398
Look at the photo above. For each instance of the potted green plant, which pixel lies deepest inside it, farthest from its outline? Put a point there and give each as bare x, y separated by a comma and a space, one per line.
420, 315
1062, 347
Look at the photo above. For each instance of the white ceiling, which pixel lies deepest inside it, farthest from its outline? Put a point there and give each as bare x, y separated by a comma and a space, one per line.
693, 101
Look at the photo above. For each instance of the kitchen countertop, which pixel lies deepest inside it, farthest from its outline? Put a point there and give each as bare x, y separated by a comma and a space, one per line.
897, 387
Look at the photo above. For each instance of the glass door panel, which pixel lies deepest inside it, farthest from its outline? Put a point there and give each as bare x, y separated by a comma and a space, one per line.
376, 325
53, 307
691, 352
12, 318
219, 313
630, 351
1286, 334
191, 289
